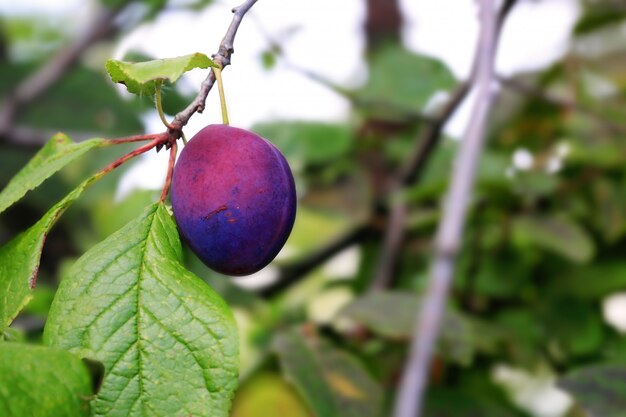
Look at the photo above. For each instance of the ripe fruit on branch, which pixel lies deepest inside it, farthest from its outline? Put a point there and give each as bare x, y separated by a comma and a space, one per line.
233, 198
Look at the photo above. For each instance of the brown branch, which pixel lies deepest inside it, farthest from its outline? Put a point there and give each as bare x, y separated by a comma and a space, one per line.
392, 241
47, 75
221, 58
413, 385
412, 170
523, 88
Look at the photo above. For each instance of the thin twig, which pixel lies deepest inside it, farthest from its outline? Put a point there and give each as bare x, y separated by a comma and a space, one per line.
134, 138
221, 58
392, 241
414, 381
47, 75
523, 88
159, 139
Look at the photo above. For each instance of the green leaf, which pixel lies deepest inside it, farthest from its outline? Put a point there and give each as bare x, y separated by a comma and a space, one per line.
599, 389
401, 78
19, 259
308, 142
141, 77
37, 381
54, 155
167, 341
574, 327
392, 315
332, 382
590, 281
555, 234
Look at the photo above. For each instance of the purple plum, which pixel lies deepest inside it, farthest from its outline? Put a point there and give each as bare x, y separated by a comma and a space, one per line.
234, 199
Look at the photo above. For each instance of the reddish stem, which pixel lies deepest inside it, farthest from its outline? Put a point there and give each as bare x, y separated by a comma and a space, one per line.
132, 154
170, 172
135, 138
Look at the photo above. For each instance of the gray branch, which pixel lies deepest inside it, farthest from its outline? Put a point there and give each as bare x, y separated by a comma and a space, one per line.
221, 58
414, 381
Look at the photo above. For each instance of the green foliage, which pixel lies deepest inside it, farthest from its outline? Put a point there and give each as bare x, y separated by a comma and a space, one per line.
265, 394
599, 389
168, 343
37, 381
330, 381
555, 234
19, 259
142, 78
393, 75
317, 143
58, 152
83, 101
543, 247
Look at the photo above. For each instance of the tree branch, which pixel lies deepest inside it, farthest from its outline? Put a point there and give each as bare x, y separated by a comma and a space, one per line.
523, 88
411, 171
221, 58
411, 389
47, 75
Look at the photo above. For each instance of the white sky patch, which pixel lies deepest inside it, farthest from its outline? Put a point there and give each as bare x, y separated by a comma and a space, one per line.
253, 93
51, 8
345, 264
264, 277
535, 35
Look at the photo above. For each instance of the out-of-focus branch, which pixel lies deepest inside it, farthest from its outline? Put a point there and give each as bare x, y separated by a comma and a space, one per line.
523, 88
47, 75
289, 274
411, 171
414, 381
221, 58
25, 137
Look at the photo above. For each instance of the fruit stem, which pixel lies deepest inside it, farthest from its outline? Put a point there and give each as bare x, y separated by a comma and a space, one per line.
170, 172
159, 104
159, 139
129, 139
220, 86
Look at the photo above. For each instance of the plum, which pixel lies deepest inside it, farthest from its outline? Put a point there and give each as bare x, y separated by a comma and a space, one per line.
234, 199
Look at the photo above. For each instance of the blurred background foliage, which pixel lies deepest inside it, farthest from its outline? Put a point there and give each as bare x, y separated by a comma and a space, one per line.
537, 317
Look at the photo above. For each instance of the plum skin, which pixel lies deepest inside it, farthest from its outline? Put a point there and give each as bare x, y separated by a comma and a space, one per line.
234, 199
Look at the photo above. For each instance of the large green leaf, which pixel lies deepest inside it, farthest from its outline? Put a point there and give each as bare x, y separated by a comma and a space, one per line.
556, 234
332, 382
401, 78
307, 142
19, 259
142, 77
57, 153
167, 341
37, 381
599, 389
